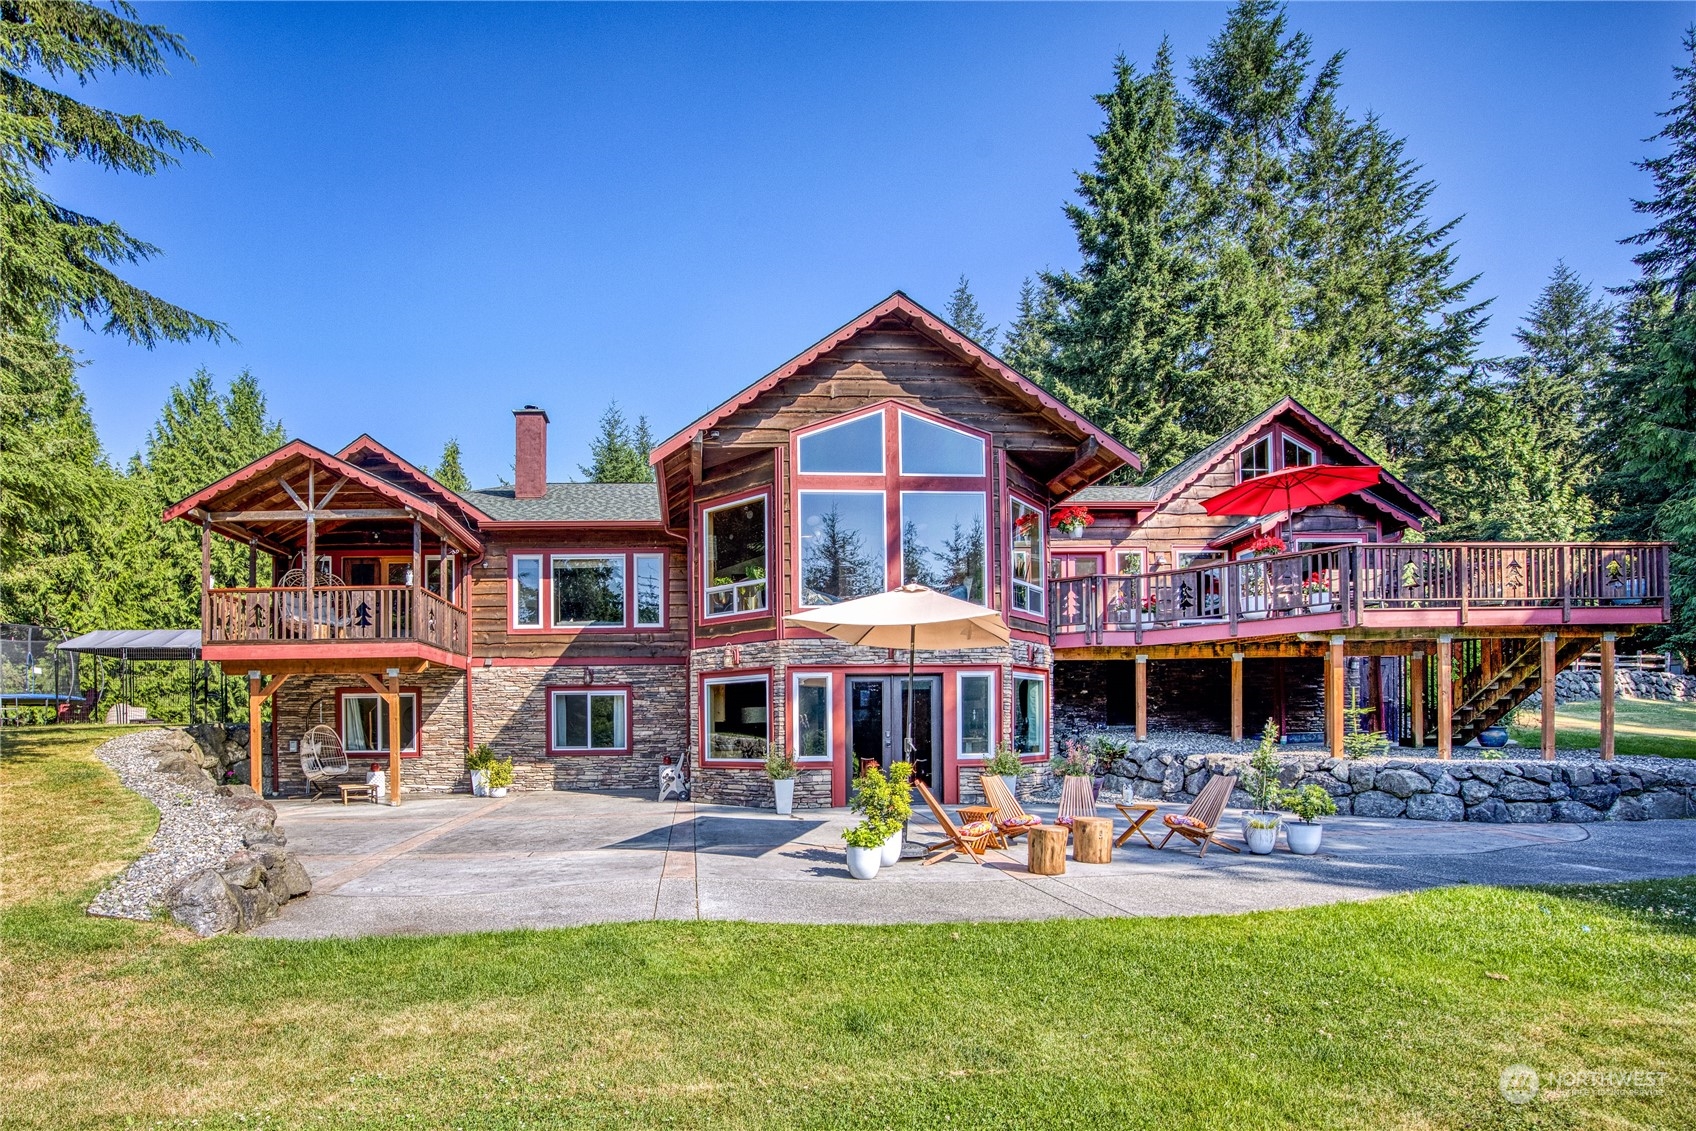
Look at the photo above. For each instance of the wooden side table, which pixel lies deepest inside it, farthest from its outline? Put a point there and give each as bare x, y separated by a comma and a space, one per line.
1092, 840
970, 813
1047, 851
360, 792
1136, 812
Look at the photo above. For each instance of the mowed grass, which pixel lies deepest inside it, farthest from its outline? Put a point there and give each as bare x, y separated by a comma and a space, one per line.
1641, 726
1398, 1013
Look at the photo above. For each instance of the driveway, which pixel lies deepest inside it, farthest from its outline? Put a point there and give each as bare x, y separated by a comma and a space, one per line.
445, 864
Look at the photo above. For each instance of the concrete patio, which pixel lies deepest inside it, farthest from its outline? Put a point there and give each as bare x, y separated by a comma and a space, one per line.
445, 864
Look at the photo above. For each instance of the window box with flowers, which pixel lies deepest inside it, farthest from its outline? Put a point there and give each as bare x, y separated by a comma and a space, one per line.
1073, 521
1254, 581
1316, 590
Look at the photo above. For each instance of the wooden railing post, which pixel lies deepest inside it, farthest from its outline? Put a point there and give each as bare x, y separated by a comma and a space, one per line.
1562, 567
1233, 574
1463, 572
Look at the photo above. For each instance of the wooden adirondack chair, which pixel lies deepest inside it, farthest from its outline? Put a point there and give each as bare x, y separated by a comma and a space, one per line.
971, 839
1010, 816
1199, 824
1077, 799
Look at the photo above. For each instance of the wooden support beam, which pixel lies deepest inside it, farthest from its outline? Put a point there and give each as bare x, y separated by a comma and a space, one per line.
345, 515
1087, 451
326, 665
1607, 704
1547, 687
253, 563
1336, 672
1445, 696
273, 687
1236, 697
393, 700
205, 580
417, 578
1141, 706
255, 733
1416, 695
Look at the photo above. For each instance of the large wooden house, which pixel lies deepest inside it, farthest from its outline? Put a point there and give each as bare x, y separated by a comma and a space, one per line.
596, 632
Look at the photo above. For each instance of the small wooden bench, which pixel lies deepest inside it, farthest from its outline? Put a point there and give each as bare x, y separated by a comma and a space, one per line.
357, 791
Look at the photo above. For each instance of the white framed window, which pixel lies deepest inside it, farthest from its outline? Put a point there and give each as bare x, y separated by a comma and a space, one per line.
527, 590
1187, 559
735, 557
1298, 454
590, 720
929, 448
1256, 459
365, 723
810, 716
588, 590
853, 447
976, 711
650, 591
1127, 562
1028, 536
738, 718
943, 544
1030, 713
842, 545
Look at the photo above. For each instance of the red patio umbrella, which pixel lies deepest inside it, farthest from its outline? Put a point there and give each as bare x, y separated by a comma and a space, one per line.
1293, 488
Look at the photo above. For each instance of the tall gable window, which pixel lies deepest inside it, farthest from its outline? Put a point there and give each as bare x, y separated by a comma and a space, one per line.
1257, 459
735, 557
889, 497
1297, 454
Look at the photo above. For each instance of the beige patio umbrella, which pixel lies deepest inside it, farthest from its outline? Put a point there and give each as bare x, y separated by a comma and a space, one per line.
911, 617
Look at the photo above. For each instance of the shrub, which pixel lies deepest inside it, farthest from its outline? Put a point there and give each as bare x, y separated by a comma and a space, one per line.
1358, 742
867, 834
779, 765
1105, 750
1309, 803
1261, 781
481, 757
500, 772
1074, 763
1005, 763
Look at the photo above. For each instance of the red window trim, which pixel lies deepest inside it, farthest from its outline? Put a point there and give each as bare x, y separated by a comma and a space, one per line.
1047, 678
417, 751
702, 506
546, 582
737, 675
624, 751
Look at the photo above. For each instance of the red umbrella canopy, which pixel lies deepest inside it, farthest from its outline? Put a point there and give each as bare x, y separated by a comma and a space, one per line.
1293, 488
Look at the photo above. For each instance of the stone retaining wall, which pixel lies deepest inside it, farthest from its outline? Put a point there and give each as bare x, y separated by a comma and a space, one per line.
1574, 686
1429, 789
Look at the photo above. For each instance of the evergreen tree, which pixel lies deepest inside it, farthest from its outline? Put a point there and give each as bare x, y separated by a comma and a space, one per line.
964, 316
836, 564
450, 473
60, 263
618, 453
1027, 345
1648, 435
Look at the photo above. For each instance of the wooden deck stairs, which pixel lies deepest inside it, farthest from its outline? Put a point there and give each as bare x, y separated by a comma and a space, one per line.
1510, 685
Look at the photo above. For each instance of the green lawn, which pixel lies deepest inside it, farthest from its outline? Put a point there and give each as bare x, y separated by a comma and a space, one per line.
1641, 726
1400, 1013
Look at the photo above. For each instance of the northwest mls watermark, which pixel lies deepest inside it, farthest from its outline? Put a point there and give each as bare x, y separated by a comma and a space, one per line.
1521, 1083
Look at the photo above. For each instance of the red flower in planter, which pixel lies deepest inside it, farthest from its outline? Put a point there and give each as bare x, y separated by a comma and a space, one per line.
1073, 518
1267, 544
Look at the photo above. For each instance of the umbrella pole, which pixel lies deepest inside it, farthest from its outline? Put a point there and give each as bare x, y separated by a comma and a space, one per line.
912, 697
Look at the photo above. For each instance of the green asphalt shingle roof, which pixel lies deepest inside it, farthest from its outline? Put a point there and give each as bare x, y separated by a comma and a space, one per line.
572, 502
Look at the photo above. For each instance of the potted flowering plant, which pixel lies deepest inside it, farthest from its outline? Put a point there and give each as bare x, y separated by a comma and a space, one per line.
1265, 544
780, 768
1316, 590
1071, 521
1006, 766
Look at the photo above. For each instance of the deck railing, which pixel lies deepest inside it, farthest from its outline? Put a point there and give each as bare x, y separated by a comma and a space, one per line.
336, 613
1350, 579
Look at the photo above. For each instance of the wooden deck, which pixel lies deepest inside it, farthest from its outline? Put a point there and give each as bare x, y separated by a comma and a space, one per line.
1402, 587
341, 619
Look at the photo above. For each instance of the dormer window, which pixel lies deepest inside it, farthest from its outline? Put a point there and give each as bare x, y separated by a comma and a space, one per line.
1298, 454
1257, 459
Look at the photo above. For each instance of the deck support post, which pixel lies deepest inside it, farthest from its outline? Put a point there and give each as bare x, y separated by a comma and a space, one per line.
1547, 687
1141, 706
1445, 696
253, 563
255, 733
392, 701
417, 580
1416, 695
1236, 696
1607, 704
1335, 673
205, 579
310, 565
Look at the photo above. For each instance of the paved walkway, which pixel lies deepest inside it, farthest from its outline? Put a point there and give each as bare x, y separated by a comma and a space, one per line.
438, 865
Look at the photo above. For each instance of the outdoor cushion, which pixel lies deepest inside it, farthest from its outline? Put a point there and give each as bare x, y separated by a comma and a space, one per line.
1179, 821
1063, 821
976, 828
1029, 820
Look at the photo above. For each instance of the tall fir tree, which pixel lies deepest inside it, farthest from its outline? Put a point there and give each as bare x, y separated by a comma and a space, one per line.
450, 472
619, 452
1028, 345
964, 315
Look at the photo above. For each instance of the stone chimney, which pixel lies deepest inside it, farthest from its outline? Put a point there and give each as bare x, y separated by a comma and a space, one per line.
530, 475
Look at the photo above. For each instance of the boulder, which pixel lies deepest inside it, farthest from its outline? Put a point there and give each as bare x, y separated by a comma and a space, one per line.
1518, 789
1361, 775
1538, 772
1474, 792
1174, 778
1491, 812
256, 904
204, 904
1576, 812
1401, 783
1597, 796
1528, 812
1375, 803
1665, 805
1490, 773
1630, 808
1435, 807
1446, 784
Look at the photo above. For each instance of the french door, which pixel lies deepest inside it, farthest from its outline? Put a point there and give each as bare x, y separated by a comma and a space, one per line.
877, 708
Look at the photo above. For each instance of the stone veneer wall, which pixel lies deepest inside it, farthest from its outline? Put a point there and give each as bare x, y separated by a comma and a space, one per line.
1430, 789
510, 705
749, 785
305, 701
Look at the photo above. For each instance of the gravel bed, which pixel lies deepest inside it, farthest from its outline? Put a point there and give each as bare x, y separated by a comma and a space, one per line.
198, 830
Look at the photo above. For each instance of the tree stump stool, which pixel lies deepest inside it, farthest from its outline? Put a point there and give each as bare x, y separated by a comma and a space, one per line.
1092, 840
1046, 855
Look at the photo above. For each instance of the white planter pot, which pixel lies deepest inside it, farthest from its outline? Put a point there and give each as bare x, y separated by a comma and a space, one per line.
891, 852
784, 789
1302, 837
379, 783
1009, 782
479, 783
1261, 841
863, 863
1074, 532
501, 792
1318, 602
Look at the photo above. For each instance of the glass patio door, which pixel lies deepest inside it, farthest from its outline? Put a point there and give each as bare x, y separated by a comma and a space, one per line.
875, 730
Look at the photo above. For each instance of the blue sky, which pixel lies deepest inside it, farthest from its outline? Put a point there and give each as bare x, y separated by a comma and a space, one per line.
417, 218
